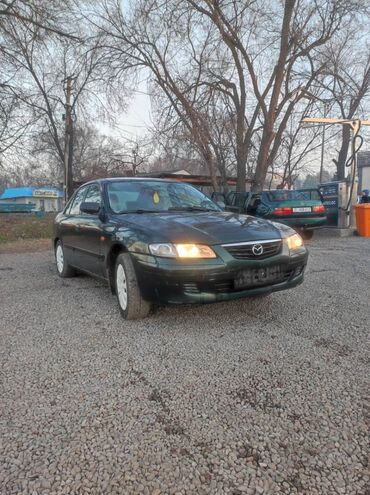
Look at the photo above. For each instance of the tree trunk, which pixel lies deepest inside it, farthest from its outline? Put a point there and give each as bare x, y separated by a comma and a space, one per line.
224, 187
280, 74
262, 160
241, 174
208, 158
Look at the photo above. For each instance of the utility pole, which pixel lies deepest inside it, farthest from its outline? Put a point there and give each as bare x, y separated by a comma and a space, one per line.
68, 147
323, 142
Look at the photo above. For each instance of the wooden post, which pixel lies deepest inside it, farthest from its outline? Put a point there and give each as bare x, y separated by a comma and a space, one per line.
68, 145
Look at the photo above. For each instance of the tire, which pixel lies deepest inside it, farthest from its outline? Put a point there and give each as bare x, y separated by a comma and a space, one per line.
63, 268
131, 304
307, 234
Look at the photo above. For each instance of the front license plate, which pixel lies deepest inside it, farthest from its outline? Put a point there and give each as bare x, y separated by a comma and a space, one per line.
257, 276
305, 209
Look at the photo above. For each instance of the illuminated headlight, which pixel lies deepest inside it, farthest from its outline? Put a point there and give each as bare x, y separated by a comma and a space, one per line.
294, 242
194, 251
181, 250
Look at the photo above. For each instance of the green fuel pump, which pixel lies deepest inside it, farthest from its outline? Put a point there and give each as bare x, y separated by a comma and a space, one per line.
342, 195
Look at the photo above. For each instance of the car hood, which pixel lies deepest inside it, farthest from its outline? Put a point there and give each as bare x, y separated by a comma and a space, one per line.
207, 227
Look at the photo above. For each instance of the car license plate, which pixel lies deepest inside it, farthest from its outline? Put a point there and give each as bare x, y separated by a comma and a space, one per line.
257, 276
305, 209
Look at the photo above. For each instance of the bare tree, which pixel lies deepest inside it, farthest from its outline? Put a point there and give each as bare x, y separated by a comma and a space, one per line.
256, 56
171, 51
14, 122
98, 155
39, 67
51, 16
285, 49
171, 132
296, 154
347, 81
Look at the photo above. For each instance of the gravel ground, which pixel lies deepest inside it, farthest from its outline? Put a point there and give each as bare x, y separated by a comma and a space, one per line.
255, 397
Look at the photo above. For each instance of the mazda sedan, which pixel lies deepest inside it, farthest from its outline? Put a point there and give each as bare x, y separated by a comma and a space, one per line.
164, 242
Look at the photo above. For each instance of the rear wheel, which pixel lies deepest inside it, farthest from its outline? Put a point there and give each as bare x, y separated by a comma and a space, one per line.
306, 234
63, 268
130, 301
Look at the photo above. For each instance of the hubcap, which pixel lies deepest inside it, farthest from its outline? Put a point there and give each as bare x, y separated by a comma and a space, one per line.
121, 285
60, 258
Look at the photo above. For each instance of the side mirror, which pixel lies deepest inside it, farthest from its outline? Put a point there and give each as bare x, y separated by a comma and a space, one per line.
90, 208
221, 204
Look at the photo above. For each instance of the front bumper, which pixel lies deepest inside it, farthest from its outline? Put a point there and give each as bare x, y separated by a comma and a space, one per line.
169, 281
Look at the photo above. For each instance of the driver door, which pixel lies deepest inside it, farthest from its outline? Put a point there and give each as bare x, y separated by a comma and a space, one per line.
90, 232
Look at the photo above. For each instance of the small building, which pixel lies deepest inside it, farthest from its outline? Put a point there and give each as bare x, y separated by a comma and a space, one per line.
47, 199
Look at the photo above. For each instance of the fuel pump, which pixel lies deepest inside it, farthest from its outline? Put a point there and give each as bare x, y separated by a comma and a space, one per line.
335, 198
340, 196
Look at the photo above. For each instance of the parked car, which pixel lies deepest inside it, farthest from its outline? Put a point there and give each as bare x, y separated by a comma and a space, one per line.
159, 241
302, 209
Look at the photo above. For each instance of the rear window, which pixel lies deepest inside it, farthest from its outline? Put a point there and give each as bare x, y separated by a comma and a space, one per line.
300, 195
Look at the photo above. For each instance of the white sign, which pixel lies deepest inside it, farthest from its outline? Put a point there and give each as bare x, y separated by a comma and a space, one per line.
45, 193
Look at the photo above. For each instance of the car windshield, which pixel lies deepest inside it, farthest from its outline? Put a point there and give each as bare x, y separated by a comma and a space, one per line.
152, 196
299, 194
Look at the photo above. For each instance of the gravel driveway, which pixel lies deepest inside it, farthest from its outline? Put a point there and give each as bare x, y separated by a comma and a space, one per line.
256, 397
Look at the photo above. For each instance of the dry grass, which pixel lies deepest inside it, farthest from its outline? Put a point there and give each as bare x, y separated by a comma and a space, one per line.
25, 246
19, 231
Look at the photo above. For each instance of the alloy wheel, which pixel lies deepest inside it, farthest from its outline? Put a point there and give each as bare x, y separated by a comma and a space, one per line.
121, 286
59, 258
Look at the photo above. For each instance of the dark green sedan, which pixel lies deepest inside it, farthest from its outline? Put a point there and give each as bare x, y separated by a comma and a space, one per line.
164, 242
302, 209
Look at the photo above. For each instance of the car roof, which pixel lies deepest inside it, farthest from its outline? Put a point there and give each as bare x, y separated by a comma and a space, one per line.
292, 190
116, 179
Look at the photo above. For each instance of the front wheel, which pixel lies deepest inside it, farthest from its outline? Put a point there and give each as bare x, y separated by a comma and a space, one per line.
63, 268
130, 301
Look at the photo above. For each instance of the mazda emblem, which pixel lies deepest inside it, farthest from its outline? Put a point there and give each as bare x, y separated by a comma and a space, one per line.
257, 249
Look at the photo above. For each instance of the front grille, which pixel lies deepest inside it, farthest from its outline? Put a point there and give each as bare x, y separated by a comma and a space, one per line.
289, 273
209, 286
244, 251
228, 285
191, 287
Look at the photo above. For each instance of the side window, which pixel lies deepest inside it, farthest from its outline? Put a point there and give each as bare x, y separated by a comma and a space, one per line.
75, 208
93, 194
68, 206
231, 199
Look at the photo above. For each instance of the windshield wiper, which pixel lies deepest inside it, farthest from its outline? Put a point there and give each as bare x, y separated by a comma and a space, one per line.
190, 208
139, 210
